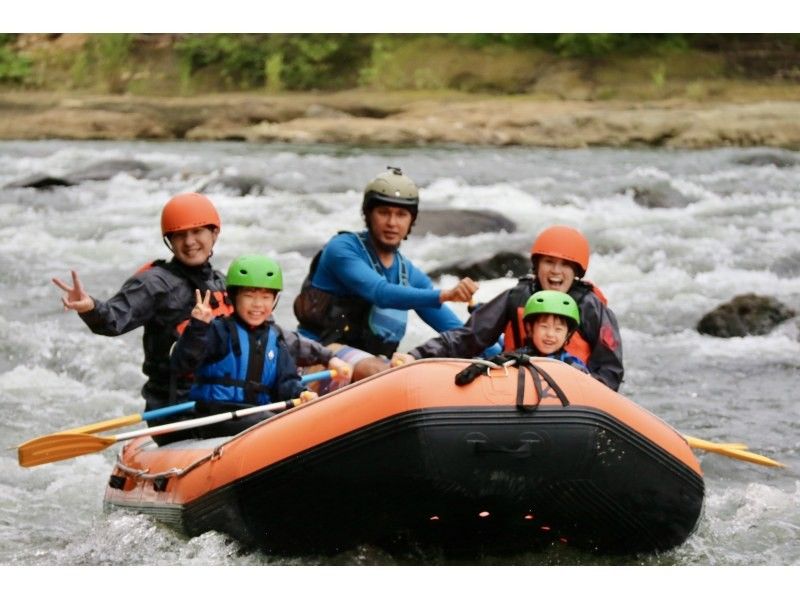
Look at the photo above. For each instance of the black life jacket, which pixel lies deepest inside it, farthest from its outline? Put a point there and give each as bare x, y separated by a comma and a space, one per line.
159, 336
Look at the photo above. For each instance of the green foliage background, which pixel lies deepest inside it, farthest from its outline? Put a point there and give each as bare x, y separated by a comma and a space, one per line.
472, 62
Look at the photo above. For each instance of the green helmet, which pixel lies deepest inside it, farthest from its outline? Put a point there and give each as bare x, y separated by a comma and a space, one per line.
553, 302
394, 188
255, 271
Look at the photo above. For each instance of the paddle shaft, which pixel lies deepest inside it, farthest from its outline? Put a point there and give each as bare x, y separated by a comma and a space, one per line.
154, 414
205, 421
66, 445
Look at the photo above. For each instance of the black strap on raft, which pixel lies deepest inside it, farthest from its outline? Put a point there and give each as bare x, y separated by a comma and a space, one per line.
523, 362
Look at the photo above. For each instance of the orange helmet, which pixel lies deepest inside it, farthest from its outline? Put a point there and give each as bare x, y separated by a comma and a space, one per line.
563, 242
186, 211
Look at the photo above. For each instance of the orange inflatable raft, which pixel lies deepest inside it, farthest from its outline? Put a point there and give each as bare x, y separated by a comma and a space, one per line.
518, 459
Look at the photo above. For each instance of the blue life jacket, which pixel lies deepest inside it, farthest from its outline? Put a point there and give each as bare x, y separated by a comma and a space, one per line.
226, 380
386, 323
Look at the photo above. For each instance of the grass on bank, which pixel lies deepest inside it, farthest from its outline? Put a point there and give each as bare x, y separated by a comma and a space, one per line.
567, 66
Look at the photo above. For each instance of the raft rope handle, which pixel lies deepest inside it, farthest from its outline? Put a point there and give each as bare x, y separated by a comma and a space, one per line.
173, 472
495, 366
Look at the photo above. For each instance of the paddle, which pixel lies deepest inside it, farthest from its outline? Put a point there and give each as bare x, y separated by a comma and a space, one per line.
42, 443
732, 450
129, 420
66, 445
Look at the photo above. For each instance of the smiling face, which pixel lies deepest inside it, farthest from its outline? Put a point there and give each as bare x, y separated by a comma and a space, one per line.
554, 274
389, 225
547, 332
193, 247
254, 306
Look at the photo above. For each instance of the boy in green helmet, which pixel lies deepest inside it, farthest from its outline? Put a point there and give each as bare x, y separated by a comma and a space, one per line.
241, 359
549, 319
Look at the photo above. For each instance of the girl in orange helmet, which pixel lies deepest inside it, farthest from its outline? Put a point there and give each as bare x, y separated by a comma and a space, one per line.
161, 295
560, 258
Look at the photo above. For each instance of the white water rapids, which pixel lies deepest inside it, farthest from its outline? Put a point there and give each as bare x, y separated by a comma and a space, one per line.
733, 226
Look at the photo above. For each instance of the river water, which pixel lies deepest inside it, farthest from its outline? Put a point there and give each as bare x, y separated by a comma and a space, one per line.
730, 224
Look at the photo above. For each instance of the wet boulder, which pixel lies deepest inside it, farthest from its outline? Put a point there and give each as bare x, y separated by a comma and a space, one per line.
460, 223
504, 264
778, 160
657, 196
39, 181
108, 169
744, 315
236, 184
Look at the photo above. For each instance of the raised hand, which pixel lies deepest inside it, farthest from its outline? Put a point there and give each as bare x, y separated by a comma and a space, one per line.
76, 297
462, 292
202, 310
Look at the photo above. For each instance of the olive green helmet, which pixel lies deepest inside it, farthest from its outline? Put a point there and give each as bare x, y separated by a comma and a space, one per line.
556, 303
394, 188
255, 271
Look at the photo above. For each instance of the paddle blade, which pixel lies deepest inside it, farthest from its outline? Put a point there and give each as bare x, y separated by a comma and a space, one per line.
58, 447
731, 450
707, 445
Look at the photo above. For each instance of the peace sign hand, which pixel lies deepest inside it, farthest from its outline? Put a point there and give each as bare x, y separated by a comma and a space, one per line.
202, 310
76, 297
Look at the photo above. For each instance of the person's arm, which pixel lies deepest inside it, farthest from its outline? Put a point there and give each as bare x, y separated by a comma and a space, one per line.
200, 341
441, 317
305, 351
345, 269
132, 306
605, 359
485, 326
288, 385
190, 352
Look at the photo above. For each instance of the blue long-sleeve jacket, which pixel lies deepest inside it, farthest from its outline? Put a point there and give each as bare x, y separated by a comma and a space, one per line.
348, 269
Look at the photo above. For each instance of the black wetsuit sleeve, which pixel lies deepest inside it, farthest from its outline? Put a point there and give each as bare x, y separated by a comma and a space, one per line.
599, 327
199, 344
483, 329
305, 351
289, 384
132, 306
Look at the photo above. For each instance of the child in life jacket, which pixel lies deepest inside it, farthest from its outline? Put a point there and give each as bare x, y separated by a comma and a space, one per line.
550, 318
243, 359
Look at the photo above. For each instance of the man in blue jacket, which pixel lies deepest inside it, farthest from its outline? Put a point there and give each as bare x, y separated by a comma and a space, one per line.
360, 287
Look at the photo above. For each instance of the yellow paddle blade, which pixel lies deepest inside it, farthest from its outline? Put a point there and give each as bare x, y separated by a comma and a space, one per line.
117, 422
731, 450
707, 445
58, 447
